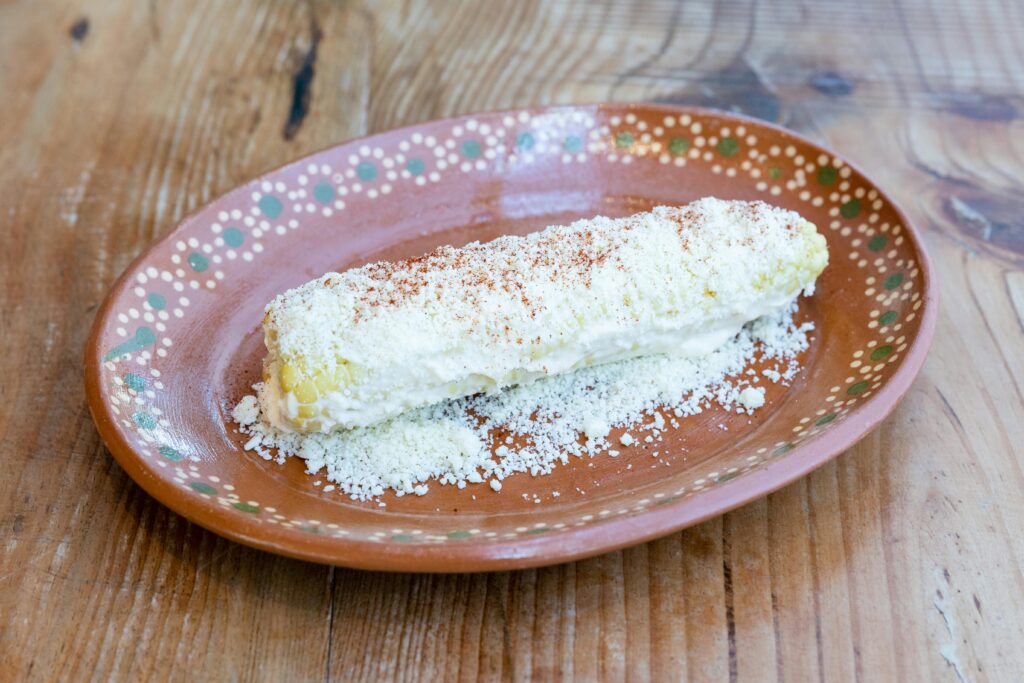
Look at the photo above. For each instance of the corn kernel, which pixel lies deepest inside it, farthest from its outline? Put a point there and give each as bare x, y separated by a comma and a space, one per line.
289, 377
305, 391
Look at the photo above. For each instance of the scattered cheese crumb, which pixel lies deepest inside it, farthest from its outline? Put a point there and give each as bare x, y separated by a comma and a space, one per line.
752, 397
495, 484
247, 412
596, 428
626, 439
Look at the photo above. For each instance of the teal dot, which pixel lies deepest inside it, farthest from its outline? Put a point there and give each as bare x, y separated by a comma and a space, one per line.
245, 507
198, 262
728, 147
470, 149
774, 172
677, 146
666, 501
171, 454
893, 281
539, 530
233, 237
271, 206
877, 243
157, 301
401, 538
623, 140
572, 144
881, 352
858, 388
850, 209
459, 534
323, 193
726, 477
782, 450
200, 487
310, 529
888, 318
144, 420
827, 175
415, 166
825, 419
134, 382
143, 337
366, 171
524, 141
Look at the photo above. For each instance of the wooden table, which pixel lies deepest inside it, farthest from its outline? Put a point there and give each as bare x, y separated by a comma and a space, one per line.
901, 560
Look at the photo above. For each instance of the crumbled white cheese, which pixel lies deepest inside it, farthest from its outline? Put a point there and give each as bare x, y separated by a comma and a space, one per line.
246, 412
752, 397
626, 439
495, 484
596, 428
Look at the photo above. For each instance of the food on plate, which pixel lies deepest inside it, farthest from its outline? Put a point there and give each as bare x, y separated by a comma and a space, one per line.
353, 349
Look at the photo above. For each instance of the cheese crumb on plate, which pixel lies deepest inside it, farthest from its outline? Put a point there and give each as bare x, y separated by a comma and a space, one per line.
752, 398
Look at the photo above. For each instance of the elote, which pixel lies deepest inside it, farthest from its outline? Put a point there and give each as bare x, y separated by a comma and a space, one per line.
352, 349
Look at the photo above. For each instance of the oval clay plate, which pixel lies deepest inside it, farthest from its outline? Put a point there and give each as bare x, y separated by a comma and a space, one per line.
178, 341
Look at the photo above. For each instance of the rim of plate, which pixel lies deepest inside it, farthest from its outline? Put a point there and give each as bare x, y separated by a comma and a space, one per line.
518, 553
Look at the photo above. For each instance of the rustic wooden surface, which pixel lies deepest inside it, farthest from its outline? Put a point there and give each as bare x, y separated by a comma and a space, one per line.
901, 560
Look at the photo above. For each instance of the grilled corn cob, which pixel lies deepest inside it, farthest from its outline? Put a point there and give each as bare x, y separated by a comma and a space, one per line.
351, 349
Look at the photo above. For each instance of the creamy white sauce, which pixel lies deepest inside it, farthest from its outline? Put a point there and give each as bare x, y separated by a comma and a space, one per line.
430, 381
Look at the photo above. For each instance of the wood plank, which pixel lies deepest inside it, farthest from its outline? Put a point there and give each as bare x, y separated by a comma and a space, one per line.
900, 561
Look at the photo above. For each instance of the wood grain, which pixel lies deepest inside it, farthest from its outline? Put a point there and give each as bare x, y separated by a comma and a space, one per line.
902, 560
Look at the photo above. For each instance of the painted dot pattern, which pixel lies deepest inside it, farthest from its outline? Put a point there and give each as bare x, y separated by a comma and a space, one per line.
827, 175
728, 147
415, 166
678, 146
271, 206
156, 301
366, 170
198, 262
234, 237
134, 381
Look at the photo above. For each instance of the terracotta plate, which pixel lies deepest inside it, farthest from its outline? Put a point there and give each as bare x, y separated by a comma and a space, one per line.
178, 342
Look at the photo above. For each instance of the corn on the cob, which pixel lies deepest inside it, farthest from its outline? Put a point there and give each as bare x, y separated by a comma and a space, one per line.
354, 348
